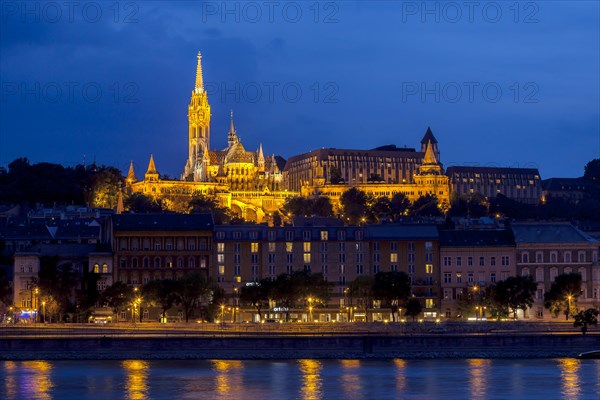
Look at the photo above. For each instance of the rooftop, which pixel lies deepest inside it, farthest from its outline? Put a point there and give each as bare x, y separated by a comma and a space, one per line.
549, 233
484, 238
163, 222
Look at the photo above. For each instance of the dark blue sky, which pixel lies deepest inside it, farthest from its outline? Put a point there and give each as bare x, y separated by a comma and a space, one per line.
500, 84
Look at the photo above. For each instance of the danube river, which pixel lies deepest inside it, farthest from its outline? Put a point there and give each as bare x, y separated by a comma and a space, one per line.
546, 379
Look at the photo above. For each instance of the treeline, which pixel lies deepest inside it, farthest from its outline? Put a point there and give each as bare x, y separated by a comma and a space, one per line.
47, 183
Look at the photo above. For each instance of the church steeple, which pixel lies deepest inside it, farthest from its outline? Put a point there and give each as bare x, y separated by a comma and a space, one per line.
199, 88
261, 158
430, 158
130, 175
429, 138
232, 137
199, 126
151, 172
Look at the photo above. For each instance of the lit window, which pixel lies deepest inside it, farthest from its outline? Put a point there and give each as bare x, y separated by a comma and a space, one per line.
288, 247
429, 268
254, 247
221, 270
306, 246
105, 268
96, 268
394, 257
307, 257
324, 235
220, 247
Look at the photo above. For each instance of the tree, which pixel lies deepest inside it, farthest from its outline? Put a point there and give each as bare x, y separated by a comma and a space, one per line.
381, 209
191, 290
426, 206
88, 296
56, 281
321, 206
297, 206
335, 176
392, 289
413, 308
256, 294
361, 289
117, 296
399, 205
592, 170
354, 205
277, 221
103, 186
514, 293
140, 203
161, 292
5, 289
203, 204
585, 318
563, 294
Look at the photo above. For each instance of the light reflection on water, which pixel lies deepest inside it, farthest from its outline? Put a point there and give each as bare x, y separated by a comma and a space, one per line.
311, 379
478, 373
569, 377
301, 379
137, 379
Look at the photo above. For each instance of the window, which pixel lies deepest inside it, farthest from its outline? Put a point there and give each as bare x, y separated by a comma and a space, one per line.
376, 246
493, 277
289, 235
493, 261
394, 246
342, 258
221, 270
271, 247
288, 247
553, 257
539, 257
447, 277
359, 269
157, 262
290, 258
220, 247
567, 256
221, 258
254, 258
105, 268
411, 246
393, 257
470, 278
428, 246
411, 257
324, 235
342, 247
459, 261
237, 235
221, 235
96, 268
306, 236
481, 261
394, 267
581, 256
191, 246
458, 277
191, 263
428, 303
169, 246
429, 268
146, 262
306, 247
376, 257
525, 257
375, 268
254, 235
447, 261
411, 268
342, 269
505, 260
470, 261
306, 258
271, 235
341, 235
254, 247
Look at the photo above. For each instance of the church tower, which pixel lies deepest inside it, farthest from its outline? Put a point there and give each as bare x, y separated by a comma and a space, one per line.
199, 129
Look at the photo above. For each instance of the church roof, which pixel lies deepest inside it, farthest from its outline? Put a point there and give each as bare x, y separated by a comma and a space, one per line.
151, 166
429, 137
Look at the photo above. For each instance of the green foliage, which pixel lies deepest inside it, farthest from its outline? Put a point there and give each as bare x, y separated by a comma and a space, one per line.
335, 176
6, 292
289, 290
592, 170
88, 296
474, 205
203, 204
426, 206
399, 205
514, 293
117, 296
162, 293
304, 207
140, 203
56, 282
381, 209
257, 295
413, 308
585, 318
354, 206
103, 186
392, 289
277, 221
191, 290
361, 289
563, 294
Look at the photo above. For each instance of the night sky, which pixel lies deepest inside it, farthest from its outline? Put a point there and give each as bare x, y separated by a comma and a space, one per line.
499, 83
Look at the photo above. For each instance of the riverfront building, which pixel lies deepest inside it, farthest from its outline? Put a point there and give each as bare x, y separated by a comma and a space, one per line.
545, 250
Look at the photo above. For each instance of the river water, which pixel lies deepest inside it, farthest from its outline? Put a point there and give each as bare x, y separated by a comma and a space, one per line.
302, 379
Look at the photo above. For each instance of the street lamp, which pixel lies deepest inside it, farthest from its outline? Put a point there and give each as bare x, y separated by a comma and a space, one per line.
222, 314
44, 310
569, 297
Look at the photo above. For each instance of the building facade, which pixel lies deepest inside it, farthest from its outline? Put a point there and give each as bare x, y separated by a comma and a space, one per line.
160, 246
545, 250
470, 262
520, 184
245, 254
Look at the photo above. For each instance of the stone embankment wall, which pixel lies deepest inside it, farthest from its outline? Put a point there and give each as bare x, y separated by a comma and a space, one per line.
446, 345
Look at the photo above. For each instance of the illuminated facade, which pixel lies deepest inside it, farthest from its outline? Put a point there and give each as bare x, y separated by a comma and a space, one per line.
247, 182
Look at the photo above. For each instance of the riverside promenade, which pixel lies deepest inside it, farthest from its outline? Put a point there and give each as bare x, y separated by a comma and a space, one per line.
296, 340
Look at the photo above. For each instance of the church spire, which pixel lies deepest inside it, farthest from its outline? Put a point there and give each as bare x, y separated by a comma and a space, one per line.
131, 174
429, 157
151, 173
151, 166
232, 135
199, 88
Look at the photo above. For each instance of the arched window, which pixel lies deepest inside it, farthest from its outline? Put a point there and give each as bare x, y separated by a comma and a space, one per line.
157, 262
